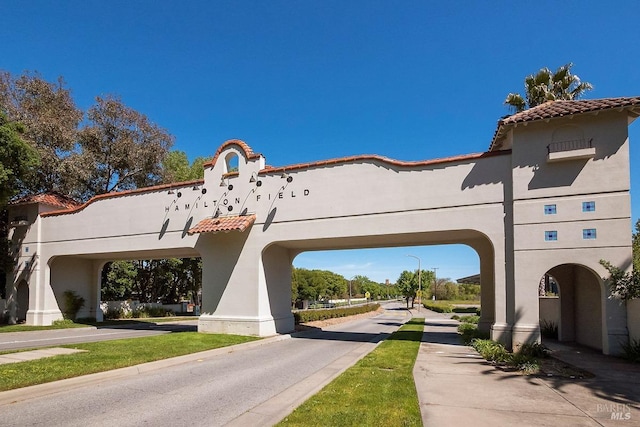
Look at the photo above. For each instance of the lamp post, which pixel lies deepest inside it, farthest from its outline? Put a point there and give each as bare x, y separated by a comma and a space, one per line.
350, 280
435, 282
419, 280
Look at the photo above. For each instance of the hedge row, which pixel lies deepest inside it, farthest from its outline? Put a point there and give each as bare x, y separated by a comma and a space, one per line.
313, 315
438, 307
475, 310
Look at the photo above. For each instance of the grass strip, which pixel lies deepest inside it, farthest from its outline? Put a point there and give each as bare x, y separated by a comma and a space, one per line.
67, 324
377, 391
107, 355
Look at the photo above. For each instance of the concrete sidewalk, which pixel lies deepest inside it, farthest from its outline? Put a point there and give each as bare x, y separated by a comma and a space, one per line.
457, 387
25, 356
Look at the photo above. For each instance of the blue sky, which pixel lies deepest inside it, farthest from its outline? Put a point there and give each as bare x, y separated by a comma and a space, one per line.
302, 81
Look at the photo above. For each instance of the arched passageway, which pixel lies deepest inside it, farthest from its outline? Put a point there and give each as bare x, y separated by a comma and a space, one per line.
576, 305
278, 258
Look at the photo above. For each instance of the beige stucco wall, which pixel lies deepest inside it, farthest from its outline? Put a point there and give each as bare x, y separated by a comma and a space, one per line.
550, 309
633, 319
494, 203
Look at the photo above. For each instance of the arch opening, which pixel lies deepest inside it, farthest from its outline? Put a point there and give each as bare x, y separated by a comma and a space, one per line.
571, 305
469, 252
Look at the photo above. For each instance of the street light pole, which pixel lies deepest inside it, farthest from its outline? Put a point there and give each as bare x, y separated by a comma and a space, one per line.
419, 280
435, 282
350, 281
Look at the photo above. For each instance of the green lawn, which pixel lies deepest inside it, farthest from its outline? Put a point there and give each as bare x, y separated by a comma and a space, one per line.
69, 324
107, 355
377, 391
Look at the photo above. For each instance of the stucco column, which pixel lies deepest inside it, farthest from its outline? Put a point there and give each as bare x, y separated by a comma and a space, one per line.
526, 311
43, 305
234, 293
487, 286
615, 330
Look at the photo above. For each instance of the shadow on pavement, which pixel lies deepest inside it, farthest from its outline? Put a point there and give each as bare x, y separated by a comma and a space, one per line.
150, 326
319, 334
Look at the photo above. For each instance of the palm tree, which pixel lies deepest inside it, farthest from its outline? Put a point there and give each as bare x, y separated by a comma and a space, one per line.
547, 86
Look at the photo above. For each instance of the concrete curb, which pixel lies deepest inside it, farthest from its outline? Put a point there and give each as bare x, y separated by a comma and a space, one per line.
277, 408
26, 393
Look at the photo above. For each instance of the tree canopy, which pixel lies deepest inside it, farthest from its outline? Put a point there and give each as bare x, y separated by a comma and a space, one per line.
18, 160
109, 147
176, 167
545, 86
50, 119
121, 149
407, 283
625, 285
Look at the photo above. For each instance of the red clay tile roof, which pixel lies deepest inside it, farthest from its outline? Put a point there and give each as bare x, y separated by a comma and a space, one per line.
51, 199
564, 108
223, 224
80, 206
376, 158
248, 152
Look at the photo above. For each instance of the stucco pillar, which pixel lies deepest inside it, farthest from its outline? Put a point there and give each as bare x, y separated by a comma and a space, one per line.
615, 332
276, 272
633, 319
501, 327
487, 287
526, 309
234, 293
43, 305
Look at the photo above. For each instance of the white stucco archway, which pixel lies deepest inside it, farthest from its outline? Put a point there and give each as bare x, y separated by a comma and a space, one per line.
534, 201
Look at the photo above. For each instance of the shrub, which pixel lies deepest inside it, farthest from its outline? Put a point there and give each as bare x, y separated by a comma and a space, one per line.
631, 351
470, 332
525, 360
548, 329
143, 312
535, 349
114, 313
72, 304
526, 364
491, 350
62, 322
469, 319
438, 307
474, 310
314, 315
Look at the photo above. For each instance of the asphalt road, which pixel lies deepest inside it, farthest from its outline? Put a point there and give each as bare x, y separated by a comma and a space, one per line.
35, 339
205, 392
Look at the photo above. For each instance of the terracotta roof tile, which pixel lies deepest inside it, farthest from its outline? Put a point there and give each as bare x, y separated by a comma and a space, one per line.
223, 224
375, 158
51, 199
552, 109
248, 152
563, 108
80, 206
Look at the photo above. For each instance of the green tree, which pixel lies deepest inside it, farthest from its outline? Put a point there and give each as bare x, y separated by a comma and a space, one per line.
176, 167
118, 280
18, 160
121, 148
625, 285
18, 163
545, 86
407, 284
408, 287
50, 119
